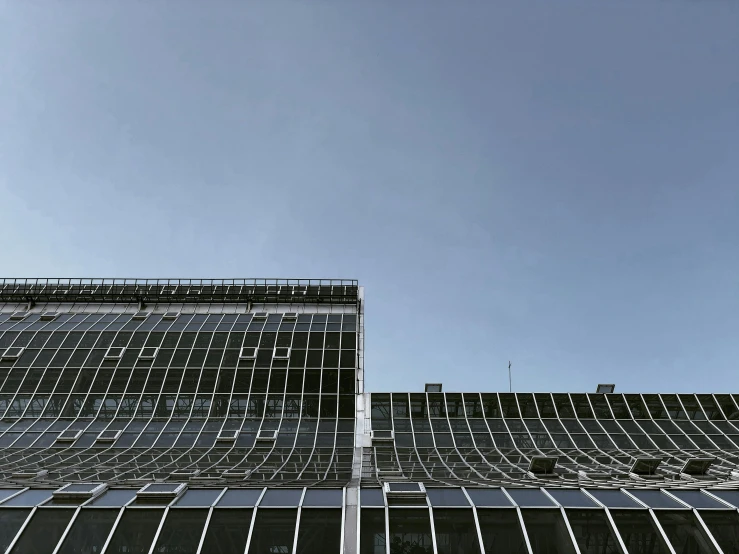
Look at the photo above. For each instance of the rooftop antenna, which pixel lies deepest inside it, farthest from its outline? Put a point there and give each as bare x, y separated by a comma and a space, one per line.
510, 383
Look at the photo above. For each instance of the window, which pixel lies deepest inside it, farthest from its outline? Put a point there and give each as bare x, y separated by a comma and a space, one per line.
161, 491
260, 316
148, 353
281, 353
141, 315
49, 316
248, 353
542, 465
267, 434
227, 531
605, 389
433, 387
17, 316
289, 316
171, 315
80, 490
12, 353
115, 353
89, 531
228, 435
69, 435
109, 435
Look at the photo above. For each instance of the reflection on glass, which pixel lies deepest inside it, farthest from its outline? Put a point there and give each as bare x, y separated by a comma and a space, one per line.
320, 531
410, 532
456, 532
89, 531
372, 497
638, 531
323, 497
685, 533
501, 532
135, 532
274, 531
227, 531
613, 498
547, 532
724, 526
530, 497
593, 532
181, 531
10, 522
372, 531
43, 531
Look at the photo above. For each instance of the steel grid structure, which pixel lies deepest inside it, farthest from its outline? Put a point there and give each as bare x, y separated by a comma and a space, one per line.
220, 416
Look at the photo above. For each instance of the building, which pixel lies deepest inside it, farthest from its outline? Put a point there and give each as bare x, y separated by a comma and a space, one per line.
229, 416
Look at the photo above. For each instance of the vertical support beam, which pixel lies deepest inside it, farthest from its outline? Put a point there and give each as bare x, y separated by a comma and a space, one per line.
66, 531
707, 531
23, 528
433, 527
661, 531
112, 531
350, 520
159, 530
477, 520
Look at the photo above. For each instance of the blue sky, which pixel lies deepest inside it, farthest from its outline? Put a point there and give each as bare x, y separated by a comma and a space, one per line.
554, 183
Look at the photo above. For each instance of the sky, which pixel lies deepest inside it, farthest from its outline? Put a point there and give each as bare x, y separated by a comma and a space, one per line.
550, 183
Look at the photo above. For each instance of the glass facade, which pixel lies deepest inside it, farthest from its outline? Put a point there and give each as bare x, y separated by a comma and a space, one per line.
230, 416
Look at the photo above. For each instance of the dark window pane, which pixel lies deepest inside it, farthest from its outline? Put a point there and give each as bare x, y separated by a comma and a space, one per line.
89, 531
135, 532
10, 522
724, 526
274, 531
655, 499
638, 532
181, 532
501, 532
199, 497
29, 498
114, 497
447, 497
320, 531
43, 531
529, 497
246, 497
488, 497
593, 532
613, 498
227, 532
323, 497
281, 497
455, 532
685, 533
547, 532
732, 497
572, 498
410, 532
697, 499
372, 531
372, 497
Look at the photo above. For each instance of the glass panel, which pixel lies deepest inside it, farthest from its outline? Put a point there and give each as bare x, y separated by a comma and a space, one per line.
456, 532
697, 499
29, 498
638, 531
323, 497
410, 532
655, 499
447, 497
227, 531
274, 531
593, 532
199, 497
529, 497
135, 531
10, 522
613, 498
724, 526
501, 532
43, 531
547, 532
372, 531
685, 533
6, 493
181, 531
732, 497
114, 497
489, 497
89, 531
372, 497
572, 498
281, 497
320, 531
246, 497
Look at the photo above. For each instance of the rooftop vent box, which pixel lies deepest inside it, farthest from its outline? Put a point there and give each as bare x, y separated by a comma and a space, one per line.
171, 315
228, 435
114, 353
289, 316
605, 389
696, 468
148, 353
645, 468
432, 387
69, 435
260, 316
30, 474
267, 435
161, 492
542, 466
404, 489
382, 436
17, 316
49, 316
281, 353
248, 353
76, 491
109, 435
12, 353
141, 315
